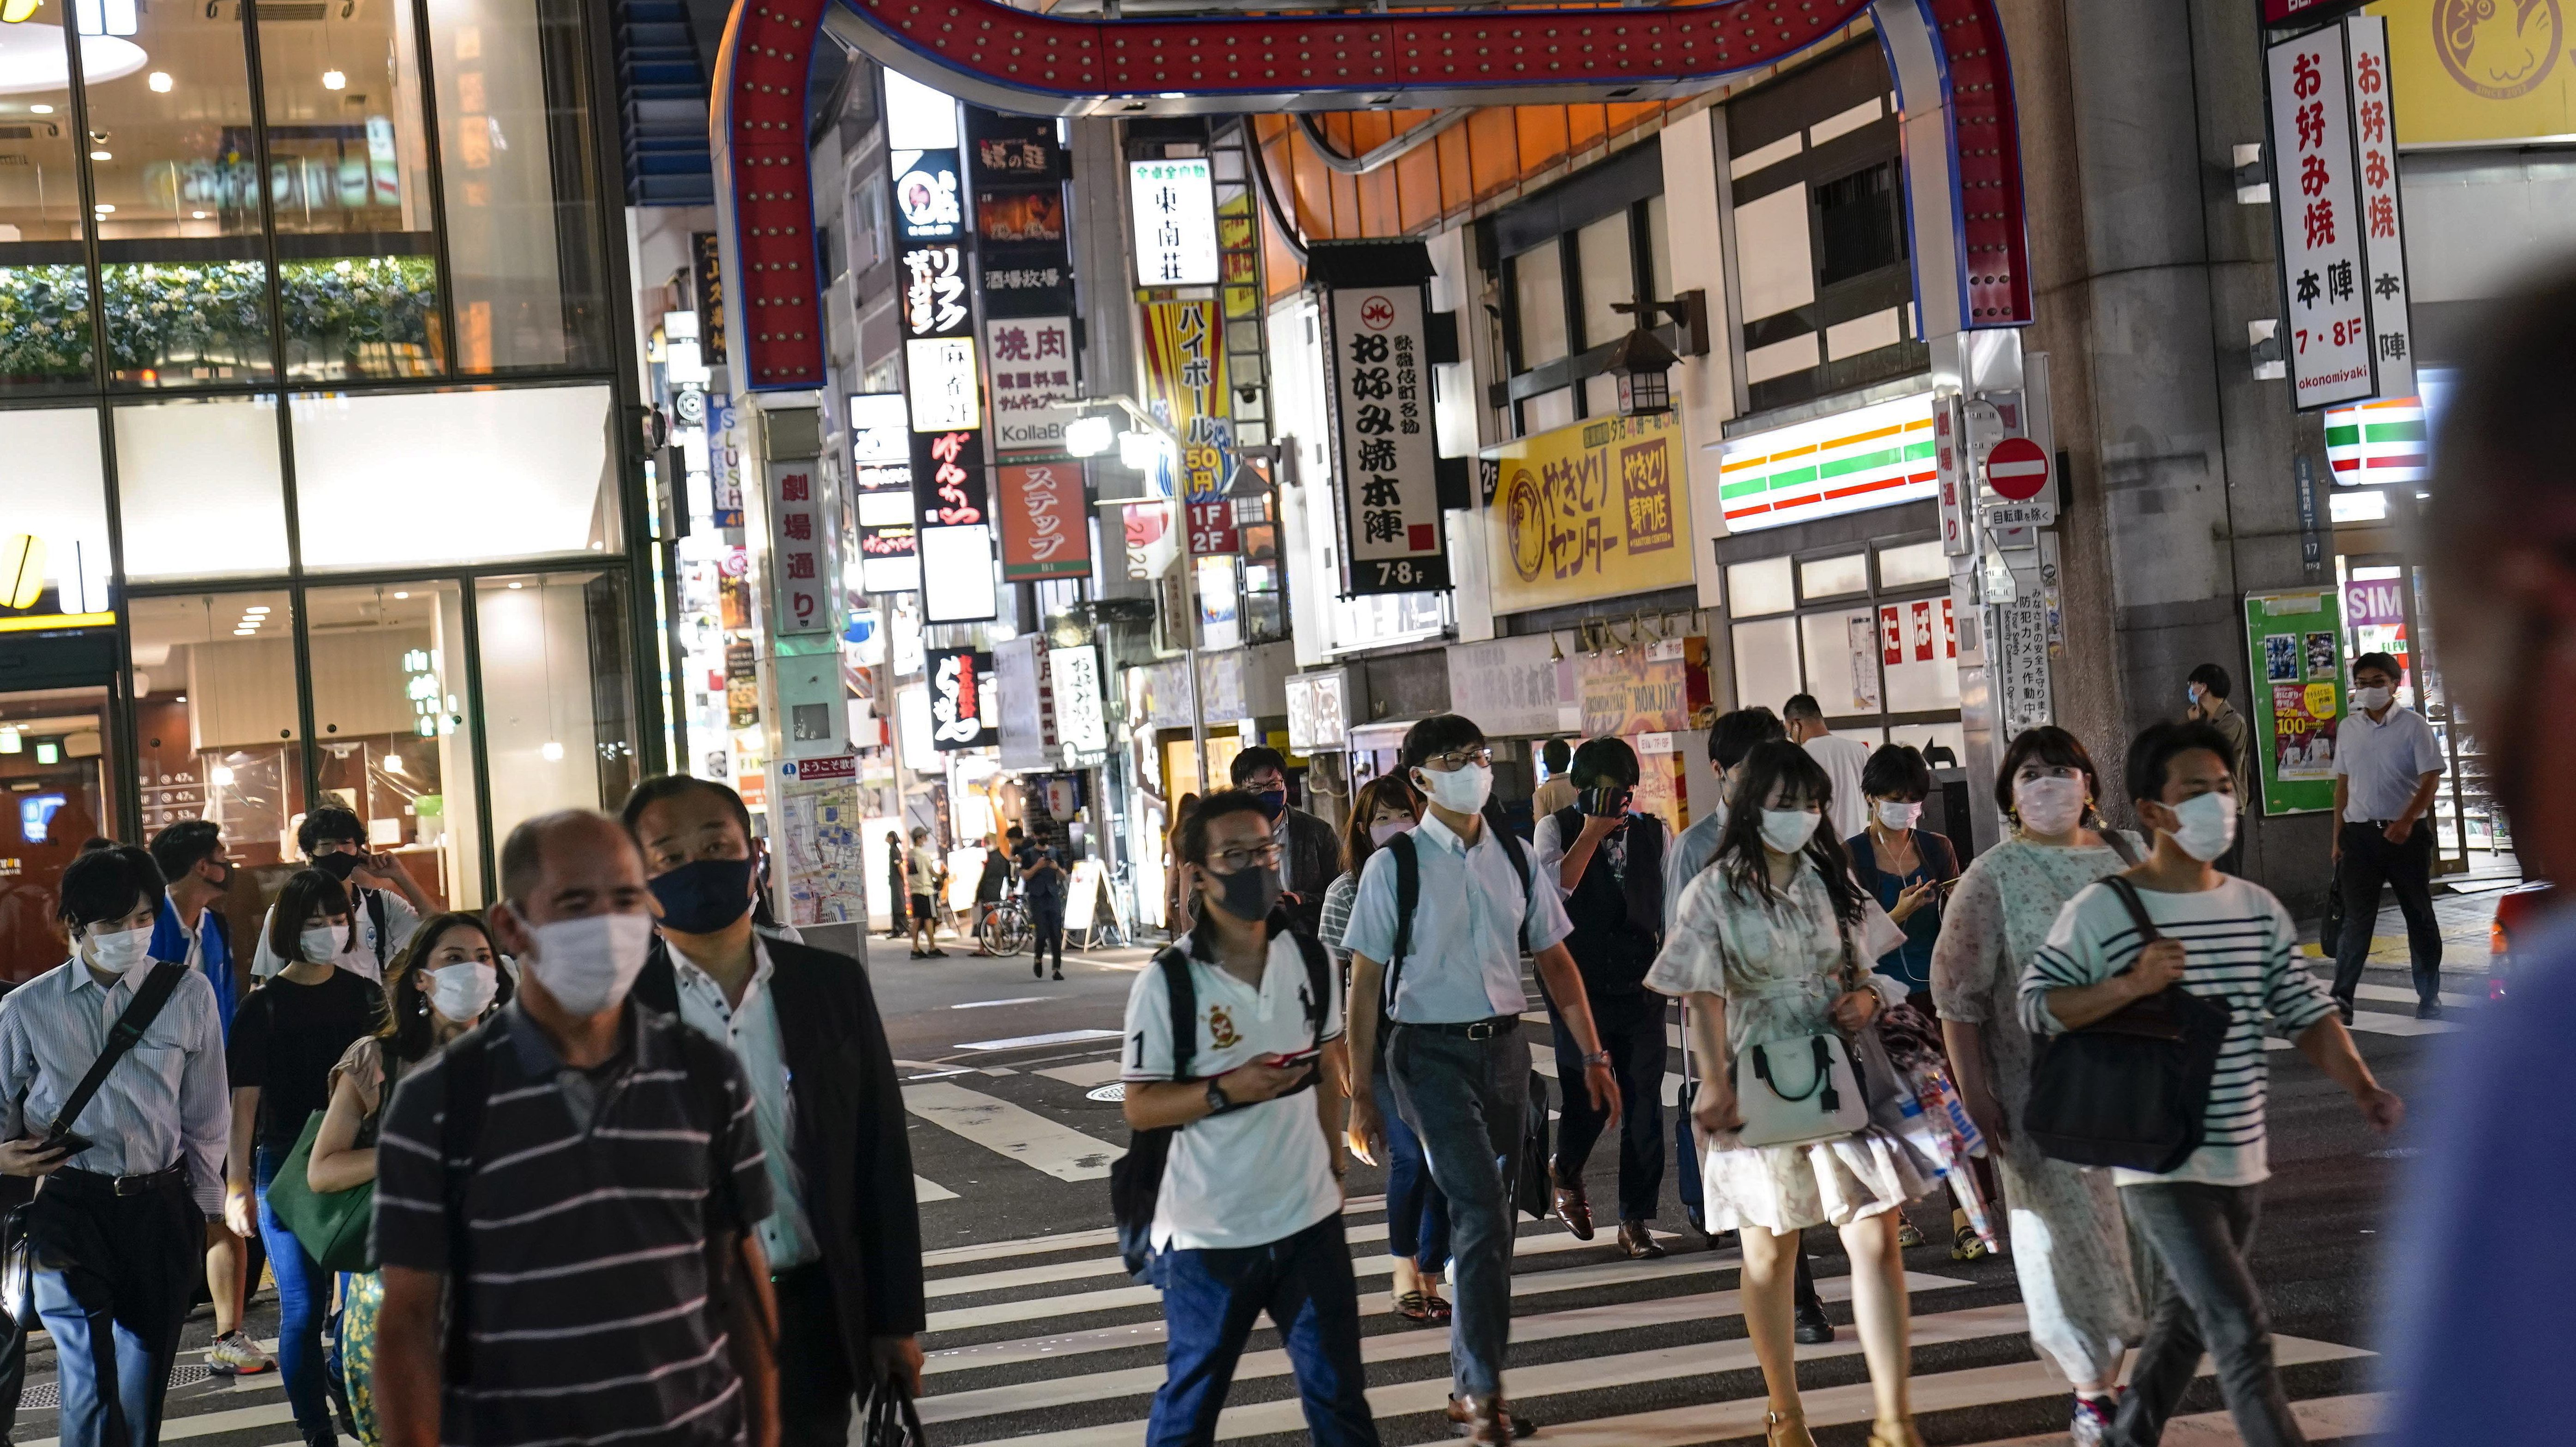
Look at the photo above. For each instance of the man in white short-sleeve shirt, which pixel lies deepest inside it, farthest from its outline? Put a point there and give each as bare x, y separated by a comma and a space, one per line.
2388, 766
1842, 758
1249, 1217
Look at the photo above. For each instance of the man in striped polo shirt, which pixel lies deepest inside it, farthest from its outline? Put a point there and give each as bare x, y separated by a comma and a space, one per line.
2227, 940
592, 1170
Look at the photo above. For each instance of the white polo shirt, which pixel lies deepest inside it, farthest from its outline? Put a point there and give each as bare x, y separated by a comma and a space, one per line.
2382, 762
1259, 1173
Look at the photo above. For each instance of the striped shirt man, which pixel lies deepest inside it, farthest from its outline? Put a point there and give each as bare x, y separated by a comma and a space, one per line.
592, 1196
2242, 951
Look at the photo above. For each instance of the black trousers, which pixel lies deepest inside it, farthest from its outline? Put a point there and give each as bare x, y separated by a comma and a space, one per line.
1631, 1027
2369, 860
112, 1283
815, 1384
1046, 932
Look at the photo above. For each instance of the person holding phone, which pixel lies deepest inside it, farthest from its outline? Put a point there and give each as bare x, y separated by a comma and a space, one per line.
119, 1228
382, 894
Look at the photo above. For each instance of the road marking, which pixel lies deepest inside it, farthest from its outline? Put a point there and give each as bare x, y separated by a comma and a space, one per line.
1027, 1042
1023, 1135
1085, 1074
2358, 1415
2380, 1023
926, 1191
1384, 1347
989, 1004
1543, 1060
1074, 1240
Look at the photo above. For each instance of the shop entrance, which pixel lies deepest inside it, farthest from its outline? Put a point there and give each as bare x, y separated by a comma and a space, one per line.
57, 776
2385, 610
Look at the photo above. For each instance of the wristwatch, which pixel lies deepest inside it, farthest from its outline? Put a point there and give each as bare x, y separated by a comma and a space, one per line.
1597, 1057
1217, 1103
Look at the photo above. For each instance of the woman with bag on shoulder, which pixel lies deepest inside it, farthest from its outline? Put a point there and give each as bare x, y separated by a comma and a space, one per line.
2070, 1241
1766, 949
444, 981
278, 1056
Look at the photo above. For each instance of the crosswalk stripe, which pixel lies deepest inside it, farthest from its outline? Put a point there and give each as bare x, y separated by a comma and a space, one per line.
1084, 1073
1075, 1270
926, 1191
2357, 1415
1543, 1060
2383, 1023
1116, 1298
1385, 1347
2400, 995
1015, 1131
1072, 1240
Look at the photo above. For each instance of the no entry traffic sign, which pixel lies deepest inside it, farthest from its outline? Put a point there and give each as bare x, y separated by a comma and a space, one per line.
2017, 469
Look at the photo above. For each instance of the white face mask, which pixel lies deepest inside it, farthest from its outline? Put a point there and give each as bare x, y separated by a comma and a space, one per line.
462, 991
323, 944
2205, 825
1463, 790
2049, 806
119, 952
1386, 829
2372, 700
588, 964
1788, 830
1897, 817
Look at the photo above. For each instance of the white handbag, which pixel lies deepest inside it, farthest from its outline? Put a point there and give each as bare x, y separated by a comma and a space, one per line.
1803, 1088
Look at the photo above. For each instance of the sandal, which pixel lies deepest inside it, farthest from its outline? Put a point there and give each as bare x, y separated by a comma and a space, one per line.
1438, 1306
1412, 1307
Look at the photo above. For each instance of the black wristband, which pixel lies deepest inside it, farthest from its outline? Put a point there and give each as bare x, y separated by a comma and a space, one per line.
1217, 1103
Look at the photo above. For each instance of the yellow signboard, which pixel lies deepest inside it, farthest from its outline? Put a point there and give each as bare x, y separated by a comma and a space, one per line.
1599, 509
2480, 70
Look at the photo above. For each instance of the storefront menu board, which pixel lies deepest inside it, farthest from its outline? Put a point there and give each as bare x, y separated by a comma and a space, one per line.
2294, 644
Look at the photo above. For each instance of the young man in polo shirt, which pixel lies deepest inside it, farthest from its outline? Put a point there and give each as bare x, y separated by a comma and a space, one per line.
2228, 940
1249, 1218
603, 1171
1456, 1058
2387, 768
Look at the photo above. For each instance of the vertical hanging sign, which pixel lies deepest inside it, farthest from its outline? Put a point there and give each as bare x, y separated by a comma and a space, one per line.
2317, 210
1185, 377
1392, 538
799, 566
961, 700
2382, 220
1045, 533
1024, 269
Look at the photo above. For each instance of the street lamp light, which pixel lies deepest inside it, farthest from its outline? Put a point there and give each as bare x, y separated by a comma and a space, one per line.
1642, 367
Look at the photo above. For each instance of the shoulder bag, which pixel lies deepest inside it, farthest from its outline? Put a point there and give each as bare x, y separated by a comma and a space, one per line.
17, 1253
2131, 1089
1805, 1087
332, 1226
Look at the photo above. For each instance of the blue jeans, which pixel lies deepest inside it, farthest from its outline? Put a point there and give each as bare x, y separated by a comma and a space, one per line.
1211, 1301
1417, 1215
1469, 1100
303, 1300
112, 1281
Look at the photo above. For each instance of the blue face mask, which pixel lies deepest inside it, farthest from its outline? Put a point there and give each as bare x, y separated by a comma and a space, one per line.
1274, 802
704, 895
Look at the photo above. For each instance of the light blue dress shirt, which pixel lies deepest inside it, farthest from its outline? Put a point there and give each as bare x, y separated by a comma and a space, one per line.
751, 1030
165, 1103
1469, 926
1690, 854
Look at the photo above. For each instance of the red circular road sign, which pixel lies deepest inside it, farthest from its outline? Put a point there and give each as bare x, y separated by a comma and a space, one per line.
2017, 469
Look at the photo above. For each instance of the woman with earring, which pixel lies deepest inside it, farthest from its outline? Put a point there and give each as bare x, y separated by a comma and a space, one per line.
443, 981
1769, 947
2070, 1243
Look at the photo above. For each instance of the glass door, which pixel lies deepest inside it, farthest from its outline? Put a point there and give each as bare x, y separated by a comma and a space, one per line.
390, 738
57, 779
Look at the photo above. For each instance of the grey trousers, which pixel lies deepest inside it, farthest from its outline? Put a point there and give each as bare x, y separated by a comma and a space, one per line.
1468, 1100
2206, 1297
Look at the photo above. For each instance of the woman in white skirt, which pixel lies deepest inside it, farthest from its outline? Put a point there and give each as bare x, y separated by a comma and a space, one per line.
1763, 949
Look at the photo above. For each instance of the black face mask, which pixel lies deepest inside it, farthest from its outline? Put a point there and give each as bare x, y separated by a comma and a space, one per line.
1274, 802
1248, 894
704, 895
338, 865
226, 882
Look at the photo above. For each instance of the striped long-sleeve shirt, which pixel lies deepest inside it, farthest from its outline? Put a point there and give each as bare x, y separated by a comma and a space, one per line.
2242, 950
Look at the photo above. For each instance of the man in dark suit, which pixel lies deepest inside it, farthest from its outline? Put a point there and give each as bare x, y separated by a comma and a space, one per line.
1310, 852
844, 1245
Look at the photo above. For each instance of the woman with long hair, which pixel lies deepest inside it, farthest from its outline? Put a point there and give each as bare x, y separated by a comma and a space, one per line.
1768, 947
444, 980
1180, 902
2070, 1240
1417, 1215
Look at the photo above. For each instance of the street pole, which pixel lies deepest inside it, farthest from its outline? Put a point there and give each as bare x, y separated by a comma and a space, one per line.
1190, 643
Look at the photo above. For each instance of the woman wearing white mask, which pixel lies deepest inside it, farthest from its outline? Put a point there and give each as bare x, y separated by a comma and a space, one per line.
279, 1055
1768, 948
1417, 1216
2070, 1244
441, 983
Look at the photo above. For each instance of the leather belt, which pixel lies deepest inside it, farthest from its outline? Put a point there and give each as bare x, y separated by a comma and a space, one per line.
100, 1183
1467, 1029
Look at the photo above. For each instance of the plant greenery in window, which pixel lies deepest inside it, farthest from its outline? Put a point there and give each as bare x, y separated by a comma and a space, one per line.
177, 314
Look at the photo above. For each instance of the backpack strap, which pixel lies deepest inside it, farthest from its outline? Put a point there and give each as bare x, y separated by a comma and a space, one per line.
1318, 980
1184, 994
377, 921
141, 1009
1408, 893
466, 1082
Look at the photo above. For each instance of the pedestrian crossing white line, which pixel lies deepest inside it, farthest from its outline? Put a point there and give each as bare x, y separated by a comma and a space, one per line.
1015, 1131
1084, 1074
1116, 1298
2400, 995
2358, 1415
926, 1191
1385, 1347
2381, 1023
1074, 1240
1543, 1060
1030, 1042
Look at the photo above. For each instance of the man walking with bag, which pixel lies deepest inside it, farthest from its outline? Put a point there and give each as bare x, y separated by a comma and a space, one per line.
112, 1090
2175, 920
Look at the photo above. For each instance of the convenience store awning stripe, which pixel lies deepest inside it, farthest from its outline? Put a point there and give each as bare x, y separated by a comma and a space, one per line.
1890, 461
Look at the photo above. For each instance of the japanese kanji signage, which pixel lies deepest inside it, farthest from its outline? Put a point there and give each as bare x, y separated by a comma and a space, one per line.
1589, 510
1175, 212
934, 291
1073, 675
2343, 295
1392, 540
881, 468
799, 560
962, 712
1044, 531
948, 478
1185, 376
1033, 381
941, 371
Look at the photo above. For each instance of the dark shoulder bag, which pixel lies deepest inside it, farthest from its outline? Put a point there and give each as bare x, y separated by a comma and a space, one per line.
17, 1254
2131, 1089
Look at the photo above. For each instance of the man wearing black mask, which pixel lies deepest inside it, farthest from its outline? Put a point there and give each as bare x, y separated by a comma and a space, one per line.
844, 1244
389, 906
1310, 853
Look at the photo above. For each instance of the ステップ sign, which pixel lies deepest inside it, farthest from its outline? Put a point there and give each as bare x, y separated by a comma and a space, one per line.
1045, 533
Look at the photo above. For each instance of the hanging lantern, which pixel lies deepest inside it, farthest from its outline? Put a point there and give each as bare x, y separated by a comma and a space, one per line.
1643, 366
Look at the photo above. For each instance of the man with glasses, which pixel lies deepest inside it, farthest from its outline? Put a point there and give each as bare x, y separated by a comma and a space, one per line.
1437, 928
1249, 1215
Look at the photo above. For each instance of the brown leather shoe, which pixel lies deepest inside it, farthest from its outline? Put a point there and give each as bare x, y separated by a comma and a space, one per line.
1574, 1209
1638, 1240
1488, 1421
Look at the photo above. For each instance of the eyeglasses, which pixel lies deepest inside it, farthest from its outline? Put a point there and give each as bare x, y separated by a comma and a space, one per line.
1235, 861
1459, 758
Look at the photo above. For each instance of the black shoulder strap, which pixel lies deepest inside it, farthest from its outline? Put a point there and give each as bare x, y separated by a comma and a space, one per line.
139, 1013
467, 1088
1318, 980
376, 919
2137, 907
1184, 993
1408, 893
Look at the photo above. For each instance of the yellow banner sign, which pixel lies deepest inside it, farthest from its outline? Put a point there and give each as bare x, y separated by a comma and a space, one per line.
2480, 70
1594, 510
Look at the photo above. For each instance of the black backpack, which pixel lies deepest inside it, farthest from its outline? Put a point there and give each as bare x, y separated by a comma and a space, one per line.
2130, 1089
1136, 1178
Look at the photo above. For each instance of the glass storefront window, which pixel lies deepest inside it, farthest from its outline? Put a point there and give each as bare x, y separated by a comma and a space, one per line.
1609, 275
197, 484
1841, 650
1758, 587
389, 724
1766, 663
174, 166
515, 152
1913, 565
55, 495
1538, 293
44, 278
1834, 577
558, 728
518, 473
61, 789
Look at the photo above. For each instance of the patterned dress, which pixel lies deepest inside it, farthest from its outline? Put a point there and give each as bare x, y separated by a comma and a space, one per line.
2070, 1241
362, 1293
1779, 967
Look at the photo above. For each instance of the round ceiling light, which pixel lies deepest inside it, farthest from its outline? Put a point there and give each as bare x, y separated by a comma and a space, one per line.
32, 59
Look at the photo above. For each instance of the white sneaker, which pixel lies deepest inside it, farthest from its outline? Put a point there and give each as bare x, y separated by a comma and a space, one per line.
235, 1354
